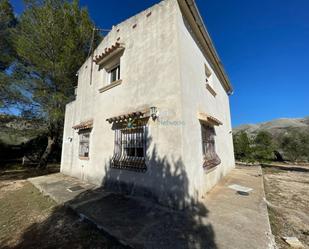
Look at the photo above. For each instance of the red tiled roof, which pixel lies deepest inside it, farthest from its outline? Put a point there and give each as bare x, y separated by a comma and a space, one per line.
84, 125
107, 51
208, 118
121, 118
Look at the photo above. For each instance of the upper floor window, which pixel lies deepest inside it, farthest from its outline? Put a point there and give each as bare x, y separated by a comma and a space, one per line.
114, 73
208, 74
209, 81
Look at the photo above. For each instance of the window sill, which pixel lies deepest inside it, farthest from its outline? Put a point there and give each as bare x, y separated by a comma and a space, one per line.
137, 165
211, 90
111, 85
84, 158
207, 171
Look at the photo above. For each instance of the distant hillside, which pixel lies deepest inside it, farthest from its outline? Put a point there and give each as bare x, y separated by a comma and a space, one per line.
275, 127
285, 139
16, 130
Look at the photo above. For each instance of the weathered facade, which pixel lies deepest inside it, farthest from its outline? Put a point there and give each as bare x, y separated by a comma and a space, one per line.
151, 114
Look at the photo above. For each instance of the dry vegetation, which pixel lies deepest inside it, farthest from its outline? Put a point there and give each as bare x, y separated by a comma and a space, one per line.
30, 220
287, 192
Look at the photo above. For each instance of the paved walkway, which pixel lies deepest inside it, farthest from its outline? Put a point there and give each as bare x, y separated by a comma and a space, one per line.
56, 186
231, 219
240, 221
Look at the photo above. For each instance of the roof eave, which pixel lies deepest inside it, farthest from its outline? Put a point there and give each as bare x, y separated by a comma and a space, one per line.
191, 6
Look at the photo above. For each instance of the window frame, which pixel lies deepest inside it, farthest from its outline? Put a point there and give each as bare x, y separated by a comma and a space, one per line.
208, 139
134, 144
208, 74
126, 138
84, 143
209, 80
115, 67
108, 65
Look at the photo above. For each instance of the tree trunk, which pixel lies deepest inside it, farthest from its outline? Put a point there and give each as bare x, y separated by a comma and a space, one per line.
278, 156
49, 148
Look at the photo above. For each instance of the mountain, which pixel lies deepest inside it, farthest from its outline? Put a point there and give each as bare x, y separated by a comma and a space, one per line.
275, 127
16, 130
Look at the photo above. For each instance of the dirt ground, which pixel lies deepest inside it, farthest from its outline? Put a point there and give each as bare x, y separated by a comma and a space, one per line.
287, 193
30, 220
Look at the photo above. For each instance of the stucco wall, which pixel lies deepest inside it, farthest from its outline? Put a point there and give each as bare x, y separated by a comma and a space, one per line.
149, 67
196, 98
161, 66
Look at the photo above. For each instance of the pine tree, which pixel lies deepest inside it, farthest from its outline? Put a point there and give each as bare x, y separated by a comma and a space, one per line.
8, 94
52, 41
7, 23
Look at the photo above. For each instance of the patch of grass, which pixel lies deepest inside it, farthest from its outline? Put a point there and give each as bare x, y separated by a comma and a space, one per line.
18, 172
30, 220
272, 170
20, 207
12, 166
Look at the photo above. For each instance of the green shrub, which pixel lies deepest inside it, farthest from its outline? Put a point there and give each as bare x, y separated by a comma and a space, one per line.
295, 145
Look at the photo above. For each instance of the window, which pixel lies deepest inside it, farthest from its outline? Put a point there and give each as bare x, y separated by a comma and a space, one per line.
211, 159
132, 142
209, 81
84, 144
207, 73
110, 67
114, 74
130, 148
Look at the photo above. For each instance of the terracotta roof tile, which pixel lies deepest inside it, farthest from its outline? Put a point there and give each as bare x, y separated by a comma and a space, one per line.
84, 125
107, 51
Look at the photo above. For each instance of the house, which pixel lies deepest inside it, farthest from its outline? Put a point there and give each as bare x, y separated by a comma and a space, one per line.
152, 114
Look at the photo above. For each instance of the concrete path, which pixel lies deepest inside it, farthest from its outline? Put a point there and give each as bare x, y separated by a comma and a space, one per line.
240, 221
230, 219
56, 186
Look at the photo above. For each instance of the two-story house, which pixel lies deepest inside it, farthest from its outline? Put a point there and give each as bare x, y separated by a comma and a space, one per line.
152, 114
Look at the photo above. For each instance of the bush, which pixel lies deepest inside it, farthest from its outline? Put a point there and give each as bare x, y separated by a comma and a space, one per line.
242, 147
260, 148
295, 145
263, 147
292, 146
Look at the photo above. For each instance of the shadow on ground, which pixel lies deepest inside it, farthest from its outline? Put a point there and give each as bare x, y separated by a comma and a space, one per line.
288, 167
164, 217
21, 173
63, 229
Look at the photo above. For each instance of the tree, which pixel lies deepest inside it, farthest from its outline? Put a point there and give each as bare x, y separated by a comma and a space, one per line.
295, 145
8, 93
242, 146
52, 41
263, 146
7, 23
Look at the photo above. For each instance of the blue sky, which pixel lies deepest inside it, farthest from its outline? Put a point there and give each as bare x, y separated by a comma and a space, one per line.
264, 46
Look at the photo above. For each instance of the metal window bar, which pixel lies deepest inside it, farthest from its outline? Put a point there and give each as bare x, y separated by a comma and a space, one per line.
117, 149
211, 158
130, 149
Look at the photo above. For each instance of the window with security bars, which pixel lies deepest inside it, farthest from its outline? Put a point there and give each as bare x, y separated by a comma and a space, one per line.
130, 148
84, 138
211, 158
